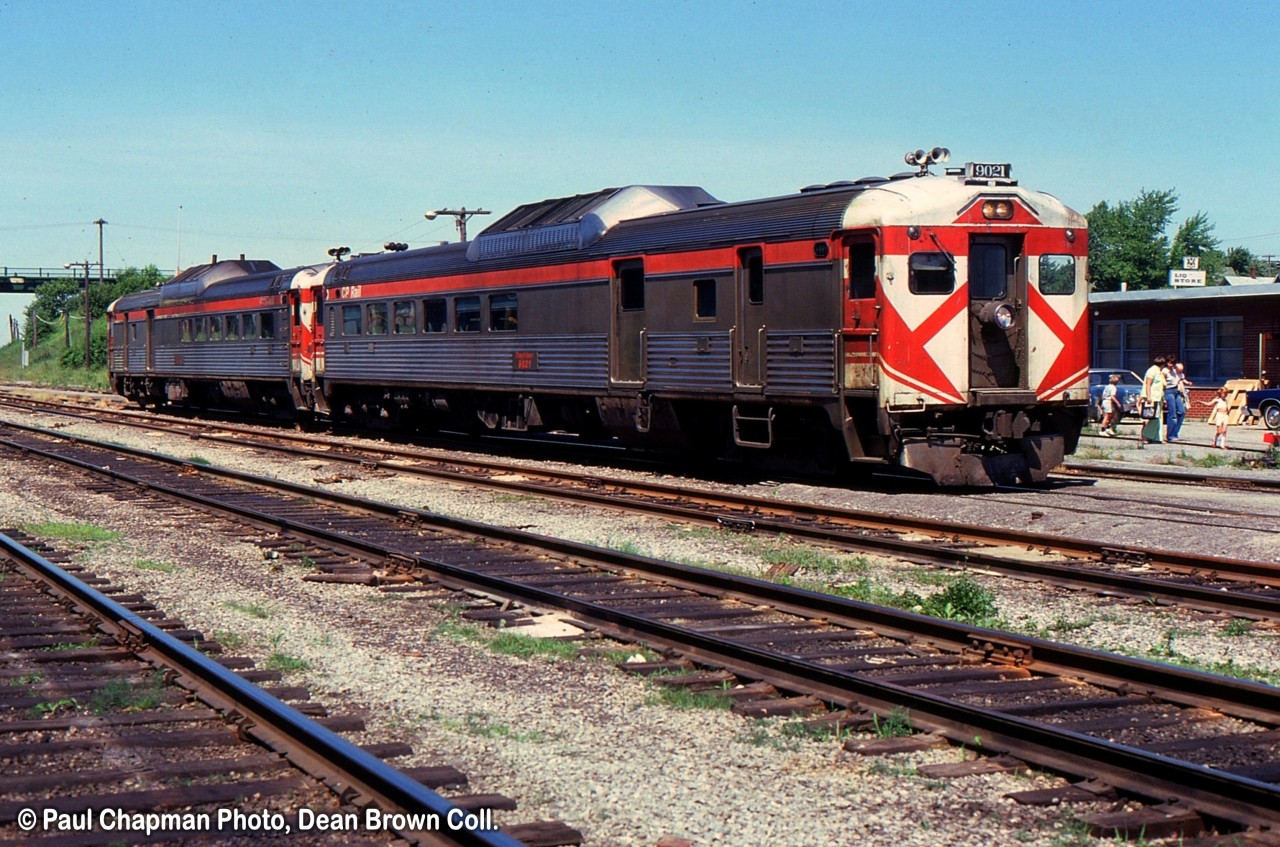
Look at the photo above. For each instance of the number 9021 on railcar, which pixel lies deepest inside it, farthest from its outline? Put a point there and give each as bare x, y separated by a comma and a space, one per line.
936, 323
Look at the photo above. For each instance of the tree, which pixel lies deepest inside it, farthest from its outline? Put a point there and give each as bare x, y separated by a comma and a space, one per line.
1241, 260
1127, 243
1195, 238
61, 297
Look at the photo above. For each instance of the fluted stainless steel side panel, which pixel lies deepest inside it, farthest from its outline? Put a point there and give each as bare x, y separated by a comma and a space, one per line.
567, 361
223, 359
683, 361
800, 363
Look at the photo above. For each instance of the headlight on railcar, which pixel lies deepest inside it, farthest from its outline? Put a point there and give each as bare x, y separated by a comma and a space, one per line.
1004, 316
1000, 315
997, 210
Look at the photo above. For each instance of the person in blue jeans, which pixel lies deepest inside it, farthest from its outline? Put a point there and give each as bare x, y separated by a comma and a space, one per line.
1175, 408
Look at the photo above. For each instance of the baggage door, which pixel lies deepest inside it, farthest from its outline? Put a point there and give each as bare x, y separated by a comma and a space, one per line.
626, 353
150, 341
750, 328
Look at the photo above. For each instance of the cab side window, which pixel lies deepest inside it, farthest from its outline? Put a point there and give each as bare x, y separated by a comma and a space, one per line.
932, 273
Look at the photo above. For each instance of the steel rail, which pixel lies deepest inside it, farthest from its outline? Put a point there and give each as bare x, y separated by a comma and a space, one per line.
759, 511
316, 750
1222, 795
815, 523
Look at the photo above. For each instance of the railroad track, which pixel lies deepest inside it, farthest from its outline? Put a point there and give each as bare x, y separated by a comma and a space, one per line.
1217, 584
1153, 731
115, 725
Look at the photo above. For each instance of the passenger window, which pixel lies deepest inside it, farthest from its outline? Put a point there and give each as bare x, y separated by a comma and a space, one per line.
932, 273
184, 329
248, 326
201, 330
377, 317
503, 315
862, 271
1057, 274
435, 314
467, 314
215, 328
631, 287
704, 299
406, 315
267, 325
350, 320
233, 327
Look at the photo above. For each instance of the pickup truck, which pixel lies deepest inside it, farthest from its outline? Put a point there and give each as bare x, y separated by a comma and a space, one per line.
1264, 403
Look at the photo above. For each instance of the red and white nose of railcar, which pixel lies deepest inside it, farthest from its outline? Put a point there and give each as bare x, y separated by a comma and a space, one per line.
983, 295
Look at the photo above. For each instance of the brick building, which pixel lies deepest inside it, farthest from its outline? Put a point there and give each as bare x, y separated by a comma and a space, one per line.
1220, 333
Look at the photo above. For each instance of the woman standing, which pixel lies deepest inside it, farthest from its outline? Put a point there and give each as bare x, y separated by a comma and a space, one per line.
1174, 408
1153, 384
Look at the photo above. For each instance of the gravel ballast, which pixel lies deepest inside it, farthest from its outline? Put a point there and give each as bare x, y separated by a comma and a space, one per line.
580, 740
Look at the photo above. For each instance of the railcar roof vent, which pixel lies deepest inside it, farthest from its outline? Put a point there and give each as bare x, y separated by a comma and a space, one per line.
572, 223
844, 183
193, 281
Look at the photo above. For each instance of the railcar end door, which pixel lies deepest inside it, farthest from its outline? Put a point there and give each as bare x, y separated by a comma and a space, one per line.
150, 341
997, 313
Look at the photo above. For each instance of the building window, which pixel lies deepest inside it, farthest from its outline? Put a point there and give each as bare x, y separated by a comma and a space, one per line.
503, 314
932, 273
1213, 349
435, 314
466, 314
1121, 345
704, 299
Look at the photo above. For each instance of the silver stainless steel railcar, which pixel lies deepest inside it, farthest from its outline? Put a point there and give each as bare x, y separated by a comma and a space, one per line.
933, 322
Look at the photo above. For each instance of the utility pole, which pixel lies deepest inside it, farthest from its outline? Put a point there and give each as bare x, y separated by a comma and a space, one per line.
86, 264
461, 216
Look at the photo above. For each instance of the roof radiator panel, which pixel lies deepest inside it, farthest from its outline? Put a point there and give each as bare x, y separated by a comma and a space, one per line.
574, 223
542, 239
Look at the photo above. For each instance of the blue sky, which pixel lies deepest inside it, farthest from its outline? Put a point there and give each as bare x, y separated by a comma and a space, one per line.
280, 129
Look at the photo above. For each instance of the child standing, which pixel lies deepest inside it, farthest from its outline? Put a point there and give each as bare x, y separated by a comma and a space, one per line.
1110, 405
1218, 417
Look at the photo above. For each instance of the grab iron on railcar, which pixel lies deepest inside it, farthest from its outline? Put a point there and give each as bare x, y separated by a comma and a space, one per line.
937, 323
